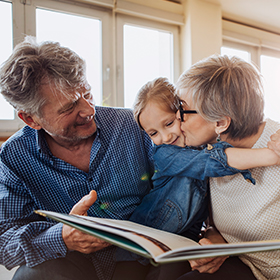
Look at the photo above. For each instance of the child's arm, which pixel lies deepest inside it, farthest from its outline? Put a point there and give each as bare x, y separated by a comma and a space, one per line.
250, 158
216, 160
210, 161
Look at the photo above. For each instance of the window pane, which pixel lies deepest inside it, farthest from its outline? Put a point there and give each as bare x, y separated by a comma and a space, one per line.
235, 52
148, 54
270, 68
6, 110
81, 34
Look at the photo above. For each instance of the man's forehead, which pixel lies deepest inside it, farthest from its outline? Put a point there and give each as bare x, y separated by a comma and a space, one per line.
51, 90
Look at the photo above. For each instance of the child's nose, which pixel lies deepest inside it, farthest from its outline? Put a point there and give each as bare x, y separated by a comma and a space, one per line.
166, 138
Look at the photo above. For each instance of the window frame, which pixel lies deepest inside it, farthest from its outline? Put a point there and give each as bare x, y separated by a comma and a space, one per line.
8, 126
254, 40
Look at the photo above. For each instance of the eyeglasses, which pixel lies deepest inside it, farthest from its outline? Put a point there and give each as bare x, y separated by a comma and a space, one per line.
182, 111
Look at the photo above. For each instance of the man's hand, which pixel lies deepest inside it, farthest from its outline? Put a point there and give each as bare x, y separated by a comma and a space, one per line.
209, 265
274, 143
77, 240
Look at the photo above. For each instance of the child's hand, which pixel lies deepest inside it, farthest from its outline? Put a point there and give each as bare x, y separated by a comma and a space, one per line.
274, 143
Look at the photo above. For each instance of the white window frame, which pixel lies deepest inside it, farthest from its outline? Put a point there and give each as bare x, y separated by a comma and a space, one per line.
253, 50
253, 40
8, 126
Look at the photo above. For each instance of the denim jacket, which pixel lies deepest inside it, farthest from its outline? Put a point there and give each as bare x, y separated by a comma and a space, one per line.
178, 202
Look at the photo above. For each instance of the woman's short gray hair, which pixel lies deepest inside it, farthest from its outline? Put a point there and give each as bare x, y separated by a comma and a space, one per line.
30, 64
226, 87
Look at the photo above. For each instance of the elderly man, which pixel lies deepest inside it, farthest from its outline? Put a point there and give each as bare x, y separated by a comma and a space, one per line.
70, 157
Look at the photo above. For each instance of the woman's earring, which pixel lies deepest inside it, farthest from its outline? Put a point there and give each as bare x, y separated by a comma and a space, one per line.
218, 139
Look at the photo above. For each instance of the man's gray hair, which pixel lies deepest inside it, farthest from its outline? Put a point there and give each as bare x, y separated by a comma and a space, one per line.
32, 64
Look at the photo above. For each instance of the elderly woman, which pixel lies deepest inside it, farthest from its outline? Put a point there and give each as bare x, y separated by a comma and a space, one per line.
222, 100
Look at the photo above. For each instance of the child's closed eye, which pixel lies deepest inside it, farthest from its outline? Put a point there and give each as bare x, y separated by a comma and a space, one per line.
153, 133
169, 123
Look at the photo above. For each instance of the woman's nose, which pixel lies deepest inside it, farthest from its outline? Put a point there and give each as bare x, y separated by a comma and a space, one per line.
178, 115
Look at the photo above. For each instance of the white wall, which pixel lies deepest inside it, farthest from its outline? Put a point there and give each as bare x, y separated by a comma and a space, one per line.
201, 36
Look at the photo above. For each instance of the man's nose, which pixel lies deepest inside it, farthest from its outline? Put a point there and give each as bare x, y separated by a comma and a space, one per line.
86, 108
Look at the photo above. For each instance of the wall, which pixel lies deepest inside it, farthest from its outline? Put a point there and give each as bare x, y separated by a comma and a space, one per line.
201, 36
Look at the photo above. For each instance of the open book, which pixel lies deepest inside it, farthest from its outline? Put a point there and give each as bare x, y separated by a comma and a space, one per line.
157, 245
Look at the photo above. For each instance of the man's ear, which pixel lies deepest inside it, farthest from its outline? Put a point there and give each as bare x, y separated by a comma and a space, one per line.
222, 125
29, 120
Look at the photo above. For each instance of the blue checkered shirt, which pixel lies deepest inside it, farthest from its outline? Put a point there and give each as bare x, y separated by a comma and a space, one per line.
32, 178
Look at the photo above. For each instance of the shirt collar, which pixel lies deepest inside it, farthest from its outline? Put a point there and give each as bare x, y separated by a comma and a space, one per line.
42, 145
97, 127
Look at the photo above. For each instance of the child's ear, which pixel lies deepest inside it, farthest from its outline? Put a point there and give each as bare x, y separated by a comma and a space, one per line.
29, 120
222, 125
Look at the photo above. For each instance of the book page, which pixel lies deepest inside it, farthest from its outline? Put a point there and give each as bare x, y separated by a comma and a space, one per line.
215, 250
161, 246
170, 240
120, 232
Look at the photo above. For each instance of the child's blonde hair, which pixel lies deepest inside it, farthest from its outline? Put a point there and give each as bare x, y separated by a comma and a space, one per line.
159, 90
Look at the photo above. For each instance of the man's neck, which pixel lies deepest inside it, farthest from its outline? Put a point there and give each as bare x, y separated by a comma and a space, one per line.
76, 153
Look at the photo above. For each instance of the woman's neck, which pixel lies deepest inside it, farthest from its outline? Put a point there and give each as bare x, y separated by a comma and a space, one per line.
248, 142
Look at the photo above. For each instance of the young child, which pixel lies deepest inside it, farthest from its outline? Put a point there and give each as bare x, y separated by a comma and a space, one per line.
178, 202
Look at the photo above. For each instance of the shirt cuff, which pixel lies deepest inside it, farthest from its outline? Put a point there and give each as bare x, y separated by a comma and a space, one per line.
51, 242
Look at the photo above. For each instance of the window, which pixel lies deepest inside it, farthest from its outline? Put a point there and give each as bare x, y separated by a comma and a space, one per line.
63, 28
265, 56
270, 68
146, 52
104, 37
147, 55
245, 55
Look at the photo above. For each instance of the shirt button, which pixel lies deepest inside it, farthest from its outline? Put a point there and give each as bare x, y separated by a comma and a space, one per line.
209, 147
248, 180
90, 179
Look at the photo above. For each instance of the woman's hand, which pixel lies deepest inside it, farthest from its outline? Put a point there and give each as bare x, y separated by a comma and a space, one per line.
209, 265
274, 143
77, 240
